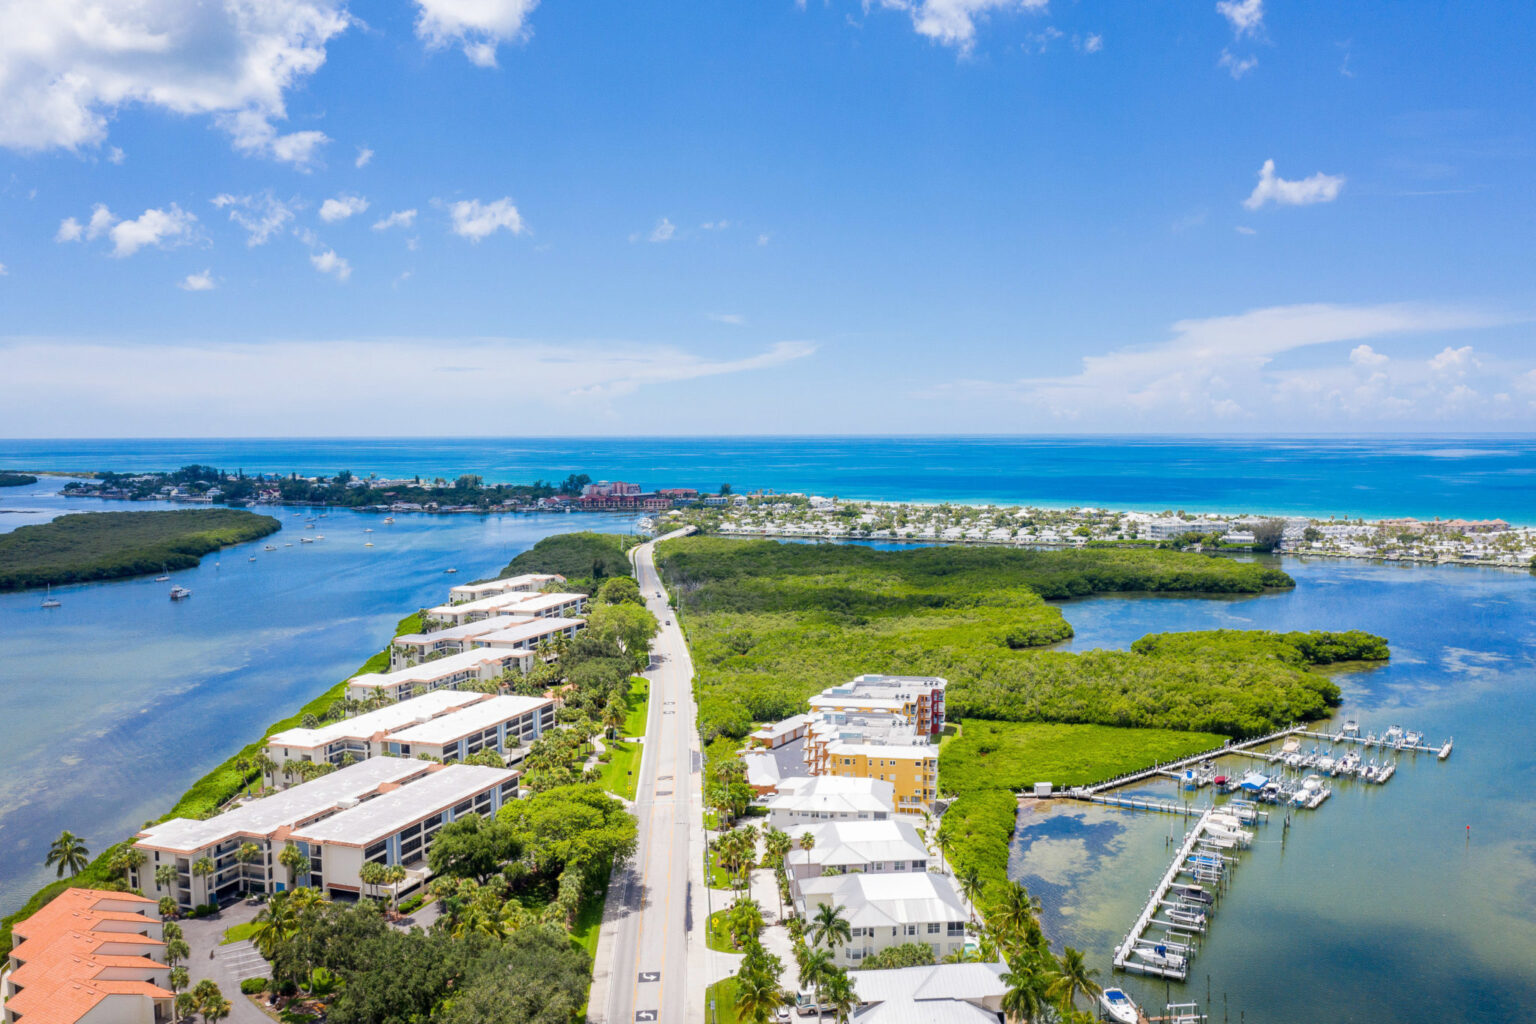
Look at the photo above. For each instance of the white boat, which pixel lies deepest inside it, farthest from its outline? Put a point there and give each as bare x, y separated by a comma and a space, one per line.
1351, 727
368, 544
1159, 956
1445, 751
306, 540
1187, 916
389, 519
180, 593
49, 601
1325, 764
450, 571
1117, 1006
251, 559
367, 529
270, 547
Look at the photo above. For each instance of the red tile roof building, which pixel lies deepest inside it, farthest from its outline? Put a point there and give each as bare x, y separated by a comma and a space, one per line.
89, 956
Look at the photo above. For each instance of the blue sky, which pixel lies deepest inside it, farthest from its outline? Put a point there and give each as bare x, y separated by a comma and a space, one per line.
270, 217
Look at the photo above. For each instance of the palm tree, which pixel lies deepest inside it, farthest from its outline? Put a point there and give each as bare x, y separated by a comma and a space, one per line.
815, 968
1025, 997
393, 876
179, 978
69, 853
1072, 976
970, 886
371, 875
248, 854
176, 950
126, 861
757, 993
276, 924
840, 996
295, 861
243, 766
1014, 915
777, 844
267, 766
166, 876
215, 1008
203, 868
830, 925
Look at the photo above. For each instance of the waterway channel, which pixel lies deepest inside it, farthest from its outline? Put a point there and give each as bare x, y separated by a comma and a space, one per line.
114, 703
1412, 901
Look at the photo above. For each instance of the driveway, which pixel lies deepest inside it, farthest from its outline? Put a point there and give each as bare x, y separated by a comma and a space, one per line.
226, 965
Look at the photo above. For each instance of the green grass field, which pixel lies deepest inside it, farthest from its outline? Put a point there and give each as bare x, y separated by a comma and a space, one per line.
621, 775
238, 933
717, 936
637, 701
1015, 755
722, 997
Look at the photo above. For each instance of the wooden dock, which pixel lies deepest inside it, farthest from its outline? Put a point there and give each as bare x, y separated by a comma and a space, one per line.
1123, 958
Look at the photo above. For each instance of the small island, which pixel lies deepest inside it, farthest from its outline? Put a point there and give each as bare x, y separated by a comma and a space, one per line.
111, 545
9, 479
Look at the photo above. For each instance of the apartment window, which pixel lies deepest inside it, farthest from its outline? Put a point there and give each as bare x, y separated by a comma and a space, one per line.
911, 929
933, 927
462, 808
900, 865
956, 928
373, 851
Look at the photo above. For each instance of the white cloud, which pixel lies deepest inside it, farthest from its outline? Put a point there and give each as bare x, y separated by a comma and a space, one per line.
3, 270
1455, 361
1039, 42
715, 225
953, 22
1244, 229
1237, 67
251, 389
1091, 43
328, 262
116, 155
173, 226
477, 26
342, 207
364, 156
1319, 188
664, 231
69, 230
762, 239
1245, 16
1364, 355
734, 319
197, 282
262, 215
398, 219
475, 220
67, 66
1226, 367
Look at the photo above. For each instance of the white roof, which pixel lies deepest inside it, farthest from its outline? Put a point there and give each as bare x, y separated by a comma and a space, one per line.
433, 670
762, 768
859, 842
464, 630
387, 814
511, 583
939, 993
532, 629
485, 604
889, 899
395, 716
789, 725
831, 793
544, 602
449, 727
288, 807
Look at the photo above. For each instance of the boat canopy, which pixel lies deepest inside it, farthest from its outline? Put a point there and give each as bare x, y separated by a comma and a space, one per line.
1253, 780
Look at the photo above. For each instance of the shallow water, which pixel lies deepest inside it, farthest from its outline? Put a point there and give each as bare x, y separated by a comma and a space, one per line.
1382, 904
114, 703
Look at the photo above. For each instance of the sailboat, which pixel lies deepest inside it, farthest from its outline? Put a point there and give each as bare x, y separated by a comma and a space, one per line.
49, 601
164, 576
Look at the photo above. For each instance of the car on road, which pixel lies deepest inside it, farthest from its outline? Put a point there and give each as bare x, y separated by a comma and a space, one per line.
781, 1014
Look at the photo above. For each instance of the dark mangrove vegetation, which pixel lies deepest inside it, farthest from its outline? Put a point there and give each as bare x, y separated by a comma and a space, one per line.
585, 559
771, 624
8, 479
109, 545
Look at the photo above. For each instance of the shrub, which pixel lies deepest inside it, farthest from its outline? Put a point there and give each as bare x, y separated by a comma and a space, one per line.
253, 986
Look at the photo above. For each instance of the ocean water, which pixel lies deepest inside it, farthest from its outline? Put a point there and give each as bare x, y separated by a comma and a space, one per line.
1468, 477
113, 704
1383, 904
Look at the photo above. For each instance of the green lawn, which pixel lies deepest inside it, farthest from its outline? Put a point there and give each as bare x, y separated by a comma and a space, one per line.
637, 699
717, 876
717, 936
589, 918
238, 933
621, 775
723, 995
1015, 755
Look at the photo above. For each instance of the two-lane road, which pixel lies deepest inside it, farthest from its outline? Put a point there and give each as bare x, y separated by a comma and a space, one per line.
641, 969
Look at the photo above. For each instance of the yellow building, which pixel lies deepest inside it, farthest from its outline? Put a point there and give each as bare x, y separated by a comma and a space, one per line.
912, 769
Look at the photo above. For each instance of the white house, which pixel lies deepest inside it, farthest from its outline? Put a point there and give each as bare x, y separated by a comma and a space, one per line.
871, 847
816, 799
890, 909
936, 994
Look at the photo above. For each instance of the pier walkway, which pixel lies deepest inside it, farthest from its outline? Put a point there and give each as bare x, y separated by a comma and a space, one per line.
1124, 954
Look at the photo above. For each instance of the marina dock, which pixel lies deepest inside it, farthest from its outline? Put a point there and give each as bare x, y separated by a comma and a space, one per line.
1167, 958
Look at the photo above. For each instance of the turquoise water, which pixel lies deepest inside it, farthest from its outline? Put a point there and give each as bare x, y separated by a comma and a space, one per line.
1469, 477
114, 703
1381, 904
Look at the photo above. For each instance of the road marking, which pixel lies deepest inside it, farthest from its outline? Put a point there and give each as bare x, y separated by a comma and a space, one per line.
645, 1015
650, 975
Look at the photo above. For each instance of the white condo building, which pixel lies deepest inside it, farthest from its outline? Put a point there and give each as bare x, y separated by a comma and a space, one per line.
812, 800
891, 909
482, 665
526, 583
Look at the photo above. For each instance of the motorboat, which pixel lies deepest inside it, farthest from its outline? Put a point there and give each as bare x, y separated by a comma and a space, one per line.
1117, 1006
180, 593
1192, 893
450, 571
251, 559
1159, 955
1351, 727
270, 547
1325, 764
367, 529
306, 540
389, 519
1188, 916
